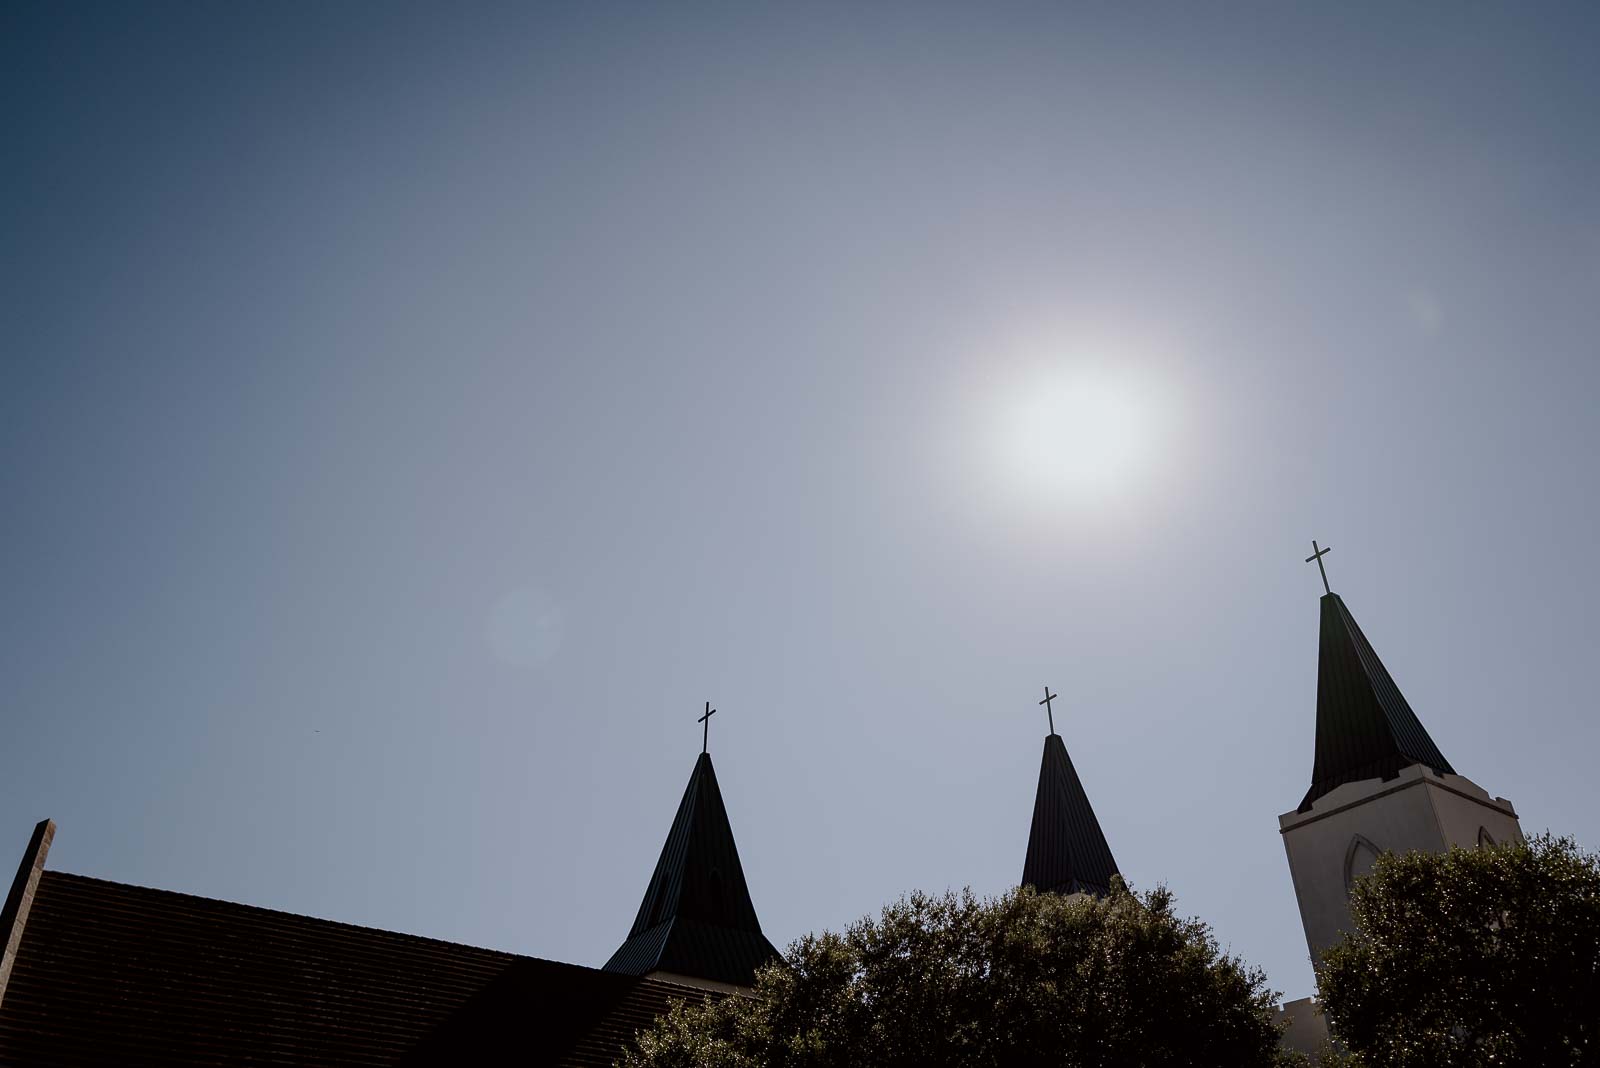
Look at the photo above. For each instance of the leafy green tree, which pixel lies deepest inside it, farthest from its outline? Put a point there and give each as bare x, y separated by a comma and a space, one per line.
1024, 979
1471, 957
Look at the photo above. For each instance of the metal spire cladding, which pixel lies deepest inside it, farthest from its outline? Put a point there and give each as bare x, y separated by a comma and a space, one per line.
1067, 852
1365, 728
697, 918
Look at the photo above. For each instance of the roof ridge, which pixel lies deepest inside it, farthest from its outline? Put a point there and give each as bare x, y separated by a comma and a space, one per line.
55, 875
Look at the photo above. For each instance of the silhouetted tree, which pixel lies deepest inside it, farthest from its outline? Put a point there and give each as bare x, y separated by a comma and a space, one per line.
1472, 957
1025, 979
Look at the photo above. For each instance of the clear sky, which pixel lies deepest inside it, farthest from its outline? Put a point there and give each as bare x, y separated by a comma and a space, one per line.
411, 415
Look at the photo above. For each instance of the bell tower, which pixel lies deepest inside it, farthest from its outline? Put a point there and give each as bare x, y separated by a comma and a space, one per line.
1378, 782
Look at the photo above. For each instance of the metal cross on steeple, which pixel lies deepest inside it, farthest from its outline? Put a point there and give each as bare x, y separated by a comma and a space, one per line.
1048, 697
1317, 555
705, 734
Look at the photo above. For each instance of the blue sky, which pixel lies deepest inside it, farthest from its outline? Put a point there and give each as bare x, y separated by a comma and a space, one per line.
411, 415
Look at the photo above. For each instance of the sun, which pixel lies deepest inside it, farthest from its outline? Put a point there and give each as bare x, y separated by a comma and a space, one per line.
1078, 434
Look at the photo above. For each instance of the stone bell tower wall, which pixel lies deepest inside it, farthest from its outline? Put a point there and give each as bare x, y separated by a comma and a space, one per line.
1340, 837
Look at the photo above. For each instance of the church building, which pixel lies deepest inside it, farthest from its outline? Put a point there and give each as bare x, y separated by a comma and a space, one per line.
102, 973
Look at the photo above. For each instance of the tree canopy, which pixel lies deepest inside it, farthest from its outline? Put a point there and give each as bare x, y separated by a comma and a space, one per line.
1472, 957
1023, 979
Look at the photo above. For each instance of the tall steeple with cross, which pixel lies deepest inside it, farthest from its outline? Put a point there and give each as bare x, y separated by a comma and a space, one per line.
697, 924
1365, 727
1378, 781
1067, 851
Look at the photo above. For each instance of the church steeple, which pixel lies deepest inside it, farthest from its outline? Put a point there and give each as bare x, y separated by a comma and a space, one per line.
1067, 852
697, 920
1365, 728
1379, 784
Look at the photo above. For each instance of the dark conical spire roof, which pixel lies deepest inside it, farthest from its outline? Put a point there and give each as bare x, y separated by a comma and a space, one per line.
697, 918
1067, 853
1365, 728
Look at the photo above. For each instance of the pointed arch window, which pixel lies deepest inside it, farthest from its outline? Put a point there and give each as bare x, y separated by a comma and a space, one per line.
1359, 859
1485, 838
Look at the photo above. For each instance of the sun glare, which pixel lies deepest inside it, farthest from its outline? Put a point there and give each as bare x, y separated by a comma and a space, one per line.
1078, 435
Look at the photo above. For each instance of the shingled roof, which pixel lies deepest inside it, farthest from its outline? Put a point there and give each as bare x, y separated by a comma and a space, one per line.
1365, 728
110, 974
1067, 852
697, 918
